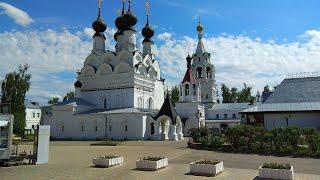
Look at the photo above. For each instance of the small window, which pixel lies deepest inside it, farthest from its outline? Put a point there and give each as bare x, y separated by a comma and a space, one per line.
180, 91
110, 128
96, 128
38, 115
234, 116
62, 128
225, 116
194, 90
82, 128
217, 116
126, 128
186, 90
33, 115
207, 96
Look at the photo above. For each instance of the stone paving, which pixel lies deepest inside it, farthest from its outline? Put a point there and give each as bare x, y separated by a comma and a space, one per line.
73, 160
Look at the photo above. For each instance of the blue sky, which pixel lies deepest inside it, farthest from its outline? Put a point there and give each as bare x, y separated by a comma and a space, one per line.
251, 41
270, 19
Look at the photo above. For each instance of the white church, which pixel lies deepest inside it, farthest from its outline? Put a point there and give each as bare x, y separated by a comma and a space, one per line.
120, 94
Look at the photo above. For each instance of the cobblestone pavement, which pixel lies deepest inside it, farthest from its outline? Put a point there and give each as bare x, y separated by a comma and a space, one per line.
73, 160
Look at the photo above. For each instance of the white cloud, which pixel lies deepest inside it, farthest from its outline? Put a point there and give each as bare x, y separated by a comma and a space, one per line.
55, 56
239, 59
20, 17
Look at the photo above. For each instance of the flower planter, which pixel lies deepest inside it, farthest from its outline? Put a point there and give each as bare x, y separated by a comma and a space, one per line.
151, 165
267, 173
206, 169
105, 161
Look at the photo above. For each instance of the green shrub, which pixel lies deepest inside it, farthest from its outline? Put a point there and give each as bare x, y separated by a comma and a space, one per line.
194, 133
277, 166
205, 141
312, 138
293, 136
216, 141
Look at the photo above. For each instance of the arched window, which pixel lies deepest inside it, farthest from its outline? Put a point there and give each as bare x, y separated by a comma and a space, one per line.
126, 128
208, 73
96, 128
199, 72
152, 128
180, 91
207, 96
186, 89
194, 90
105, 103
150, 103
62, 128
82, 128
110, 128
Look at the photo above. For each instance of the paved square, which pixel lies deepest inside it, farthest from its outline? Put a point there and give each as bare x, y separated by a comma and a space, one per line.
73, 160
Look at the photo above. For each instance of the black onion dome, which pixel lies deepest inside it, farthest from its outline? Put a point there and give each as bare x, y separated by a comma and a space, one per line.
147, 31
188, 58
78, 84
99, 25
119, 22
129, 19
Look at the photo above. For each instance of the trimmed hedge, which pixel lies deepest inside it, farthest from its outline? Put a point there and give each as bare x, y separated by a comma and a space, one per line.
253, 139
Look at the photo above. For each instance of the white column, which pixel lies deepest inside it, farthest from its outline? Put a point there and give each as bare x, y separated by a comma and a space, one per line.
99, 43
180, 134
157, 131
120, 40
129, 40
147, 48
173, 133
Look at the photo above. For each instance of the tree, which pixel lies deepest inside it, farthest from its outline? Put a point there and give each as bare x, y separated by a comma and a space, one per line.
245, 94
174, 94
13, 90
233, 95
53, 101
68, 96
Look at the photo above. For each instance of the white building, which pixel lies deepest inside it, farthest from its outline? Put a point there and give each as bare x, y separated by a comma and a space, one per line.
33, 115
117, 93
223, 116
295, 102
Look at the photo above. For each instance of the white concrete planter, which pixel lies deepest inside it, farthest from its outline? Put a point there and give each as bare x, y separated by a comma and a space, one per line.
151, 165
206, 169
267, 173
105, 162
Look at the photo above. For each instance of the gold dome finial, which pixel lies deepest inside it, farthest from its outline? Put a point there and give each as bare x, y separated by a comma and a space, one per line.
199, 27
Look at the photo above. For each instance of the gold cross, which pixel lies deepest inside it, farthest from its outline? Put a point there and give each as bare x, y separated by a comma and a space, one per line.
147, 7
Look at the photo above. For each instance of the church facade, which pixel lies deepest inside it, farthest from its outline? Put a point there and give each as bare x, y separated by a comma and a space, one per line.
118, 94
197, 91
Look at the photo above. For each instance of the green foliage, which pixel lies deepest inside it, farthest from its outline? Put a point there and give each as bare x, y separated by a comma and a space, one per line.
293, 136
312, 138
68, 96
233, 95
216, 141
13, 90
53, 101
174, 93
197, 134
277, 166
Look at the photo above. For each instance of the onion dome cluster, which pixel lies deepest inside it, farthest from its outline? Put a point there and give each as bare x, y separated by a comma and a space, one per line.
147, 32
99, 26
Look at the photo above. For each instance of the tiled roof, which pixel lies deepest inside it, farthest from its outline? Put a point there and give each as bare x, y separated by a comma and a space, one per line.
31, 105
188, 77
169, 110
75, 101
284, 107
296, 90
232, 106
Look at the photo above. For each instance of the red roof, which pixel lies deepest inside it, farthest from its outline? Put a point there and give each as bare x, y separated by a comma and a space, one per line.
188, 77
